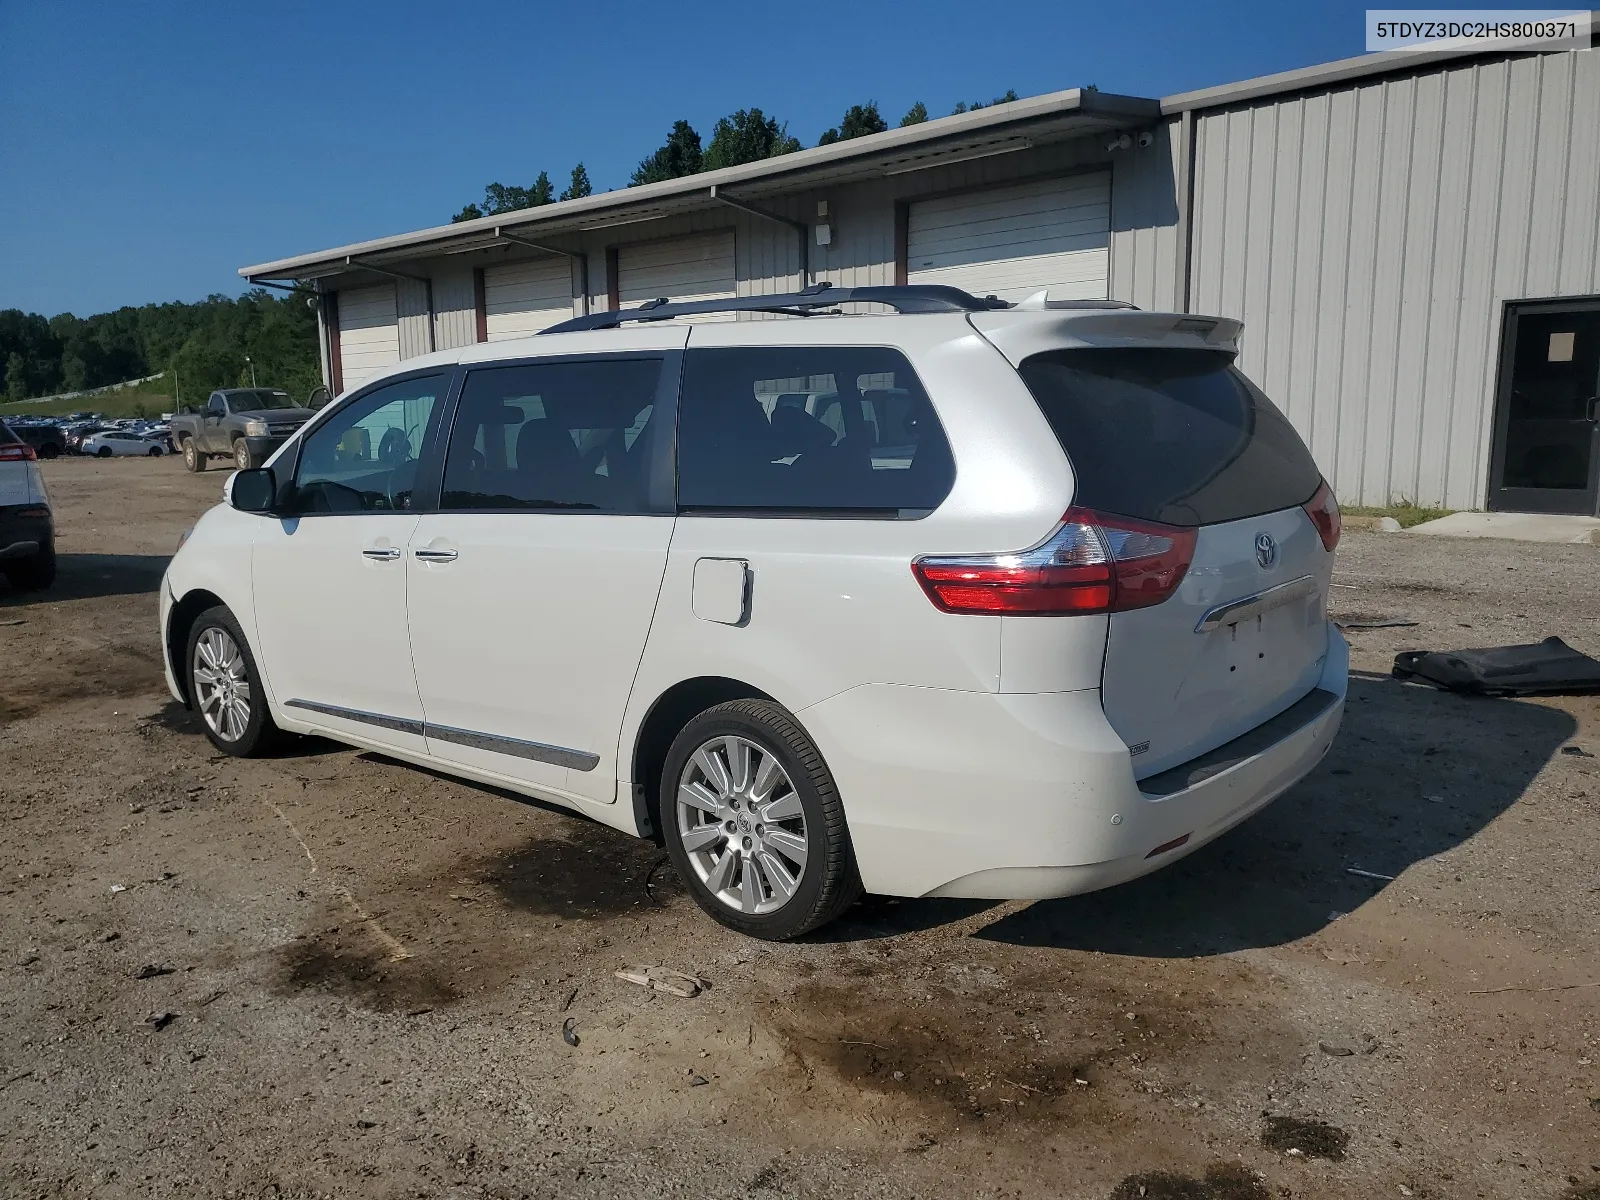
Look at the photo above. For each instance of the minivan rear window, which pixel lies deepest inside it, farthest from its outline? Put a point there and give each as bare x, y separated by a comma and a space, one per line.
824, 431
1176, 436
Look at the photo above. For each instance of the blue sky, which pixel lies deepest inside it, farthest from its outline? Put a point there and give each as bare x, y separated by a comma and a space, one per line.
149, 150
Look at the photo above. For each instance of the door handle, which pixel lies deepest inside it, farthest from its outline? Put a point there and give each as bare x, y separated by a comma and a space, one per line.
382, 552
1589, 413
427, 555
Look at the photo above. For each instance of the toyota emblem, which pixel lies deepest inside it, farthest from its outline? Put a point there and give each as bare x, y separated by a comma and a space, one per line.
1266, 550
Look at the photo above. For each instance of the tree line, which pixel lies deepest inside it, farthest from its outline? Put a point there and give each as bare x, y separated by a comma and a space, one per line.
746, 136
200, 346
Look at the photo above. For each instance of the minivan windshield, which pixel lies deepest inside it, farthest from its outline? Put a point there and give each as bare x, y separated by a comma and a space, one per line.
1170, 435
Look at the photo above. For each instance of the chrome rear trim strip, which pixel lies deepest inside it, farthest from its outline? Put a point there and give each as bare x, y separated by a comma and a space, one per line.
398, 724
1247, 607
577, 760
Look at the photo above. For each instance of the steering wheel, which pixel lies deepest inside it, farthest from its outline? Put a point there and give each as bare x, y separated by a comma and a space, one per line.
394, 448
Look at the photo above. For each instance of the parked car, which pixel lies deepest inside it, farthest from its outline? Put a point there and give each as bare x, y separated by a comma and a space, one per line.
245, 424
77, 433
976, 600
48, 441
123, 441
27, 527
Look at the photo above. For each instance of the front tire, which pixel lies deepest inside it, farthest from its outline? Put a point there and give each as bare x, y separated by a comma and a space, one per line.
192, 458
155, 452
753, 822
104, 452
242, 458
226, 686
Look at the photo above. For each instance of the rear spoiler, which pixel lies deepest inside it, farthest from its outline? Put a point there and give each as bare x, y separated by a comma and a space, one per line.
1017, 335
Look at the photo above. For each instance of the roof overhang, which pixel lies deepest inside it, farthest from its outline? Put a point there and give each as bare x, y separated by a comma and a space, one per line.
999, 129
1323, 75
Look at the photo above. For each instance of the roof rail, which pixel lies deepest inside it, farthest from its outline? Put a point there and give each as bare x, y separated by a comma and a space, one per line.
914, 298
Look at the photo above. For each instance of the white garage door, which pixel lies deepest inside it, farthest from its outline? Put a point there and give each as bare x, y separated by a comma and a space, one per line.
1012, 241
369, 333
525, 297
683, 269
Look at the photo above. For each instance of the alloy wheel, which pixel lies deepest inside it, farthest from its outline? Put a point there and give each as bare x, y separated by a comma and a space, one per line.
742, 825
221, 684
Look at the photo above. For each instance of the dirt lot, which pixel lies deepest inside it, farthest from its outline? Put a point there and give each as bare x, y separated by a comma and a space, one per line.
368, 965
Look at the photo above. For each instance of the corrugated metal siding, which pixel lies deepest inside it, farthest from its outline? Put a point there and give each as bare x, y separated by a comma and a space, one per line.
411, 302
1369, 237
455, 318
1144, 222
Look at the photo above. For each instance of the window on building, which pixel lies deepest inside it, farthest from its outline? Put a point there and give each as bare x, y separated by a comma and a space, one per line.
841, 431
557, 437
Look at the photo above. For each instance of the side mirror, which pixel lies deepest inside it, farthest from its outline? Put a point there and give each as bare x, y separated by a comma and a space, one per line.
253, 491
319, 397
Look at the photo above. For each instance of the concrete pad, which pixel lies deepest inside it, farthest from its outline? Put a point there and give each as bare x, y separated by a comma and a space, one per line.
1518, 527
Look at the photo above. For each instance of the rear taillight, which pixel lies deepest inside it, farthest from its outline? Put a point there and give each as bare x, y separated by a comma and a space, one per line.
16, 453
1092, 563
1323, 510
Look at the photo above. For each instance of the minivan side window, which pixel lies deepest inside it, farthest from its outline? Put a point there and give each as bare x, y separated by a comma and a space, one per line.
814, 430
363, 458
559, 436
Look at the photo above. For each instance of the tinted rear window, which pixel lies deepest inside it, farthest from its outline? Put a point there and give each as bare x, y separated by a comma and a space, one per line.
809, 430
6, 436
1178, 436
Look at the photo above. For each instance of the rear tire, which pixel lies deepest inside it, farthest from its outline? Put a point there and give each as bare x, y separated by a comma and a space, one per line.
786, 865
49, 450
242, 458
225, 686
33, 574
192, 458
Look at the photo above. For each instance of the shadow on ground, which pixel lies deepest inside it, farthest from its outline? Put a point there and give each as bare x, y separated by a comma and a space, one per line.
85, 576
1414, 773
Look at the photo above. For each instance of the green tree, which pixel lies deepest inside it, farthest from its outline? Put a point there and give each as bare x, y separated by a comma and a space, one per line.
915, 115
1011, 94
580, 185
747, 136
859, 121
542, 191
470, 212
678, 156
16, 377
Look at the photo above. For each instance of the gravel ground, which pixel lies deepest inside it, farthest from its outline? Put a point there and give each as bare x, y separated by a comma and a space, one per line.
328, 974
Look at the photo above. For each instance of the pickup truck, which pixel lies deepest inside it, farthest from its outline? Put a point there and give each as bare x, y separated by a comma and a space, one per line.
245, 424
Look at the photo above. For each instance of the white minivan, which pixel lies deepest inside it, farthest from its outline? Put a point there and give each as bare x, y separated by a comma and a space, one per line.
957, 599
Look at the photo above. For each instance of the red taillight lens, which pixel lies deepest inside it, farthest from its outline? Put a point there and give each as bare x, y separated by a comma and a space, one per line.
1323, 510
1092, 563
16, 453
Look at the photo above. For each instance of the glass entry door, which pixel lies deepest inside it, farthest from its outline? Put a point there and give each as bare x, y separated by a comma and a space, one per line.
1547, 428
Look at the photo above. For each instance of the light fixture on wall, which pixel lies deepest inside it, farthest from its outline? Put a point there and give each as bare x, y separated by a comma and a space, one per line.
824, 227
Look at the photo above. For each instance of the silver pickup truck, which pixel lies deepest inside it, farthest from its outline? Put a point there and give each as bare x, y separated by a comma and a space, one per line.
245, 424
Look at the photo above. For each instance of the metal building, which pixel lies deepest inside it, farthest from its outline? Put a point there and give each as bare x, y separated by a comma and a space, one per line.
1412, 241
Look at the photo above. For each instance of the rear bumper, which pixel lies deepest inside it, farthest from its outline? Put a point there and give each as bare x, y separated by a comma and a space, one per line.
995, 796
24, 536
